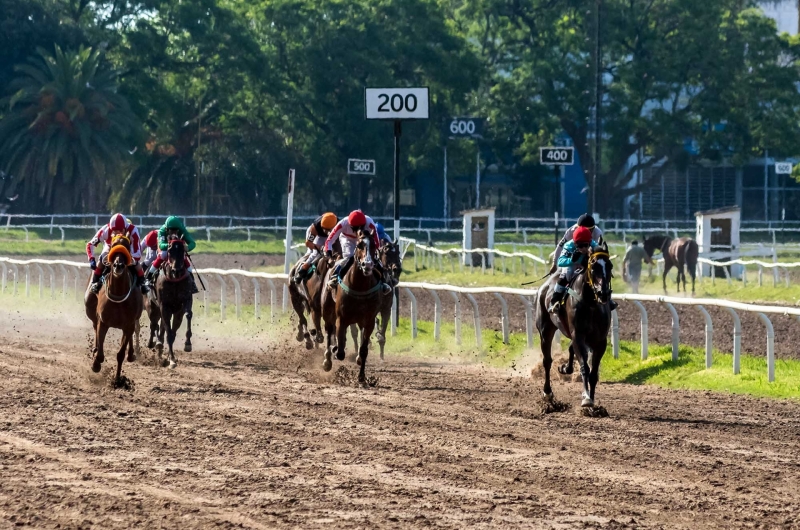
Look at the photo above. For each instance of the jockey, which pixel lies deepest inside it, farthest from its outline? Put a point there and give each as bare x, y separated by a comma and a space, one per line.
584, 220
574, 253
173, 226
316, 235
118, 225
150, 242
382, 235
346, 230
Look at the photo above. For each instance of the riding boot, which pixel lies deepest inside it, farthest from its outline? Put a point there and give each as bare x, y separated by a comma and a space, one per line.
613, 305
334, 281
142, 284
386, 288
301, 273
555, 302
192, 283
97, 282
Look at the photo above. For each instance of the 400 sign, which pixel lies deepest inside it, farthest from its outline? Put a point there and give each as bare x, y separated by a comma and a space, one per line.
557, 156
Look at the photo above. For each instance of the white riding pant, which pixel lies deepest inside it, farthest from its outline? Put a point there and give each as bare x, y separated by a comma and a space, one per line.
348, 248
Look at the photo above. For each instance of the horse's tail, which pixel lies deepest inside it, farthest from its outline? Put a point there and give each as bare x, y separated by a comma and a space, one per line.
692, 252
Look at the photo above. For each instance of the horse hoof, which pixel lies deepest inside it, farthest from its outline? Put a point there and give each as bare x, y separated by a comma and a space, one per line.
547, 395
306, 336
187, 347
131, 358
340, 354
358, 360
309, 345
160, 347
299, 336
96, 366
151, 344
587, 402
319, 338
566, 369
313, 332
381, 356
173, 365
327, 365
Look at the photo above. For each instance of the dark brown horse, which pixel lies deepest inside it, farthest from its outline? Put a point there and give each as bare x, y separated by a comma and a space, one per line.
306, 298
584, 318
677, 253
356, 300
117, 305
392, 263
156, 339
174, 294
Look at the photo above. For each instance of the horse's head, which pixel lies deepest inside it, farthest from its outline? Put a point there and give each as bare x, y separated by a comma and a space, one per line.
391, 259
363, 254
653, 243
119, 255
599, 274
176, 254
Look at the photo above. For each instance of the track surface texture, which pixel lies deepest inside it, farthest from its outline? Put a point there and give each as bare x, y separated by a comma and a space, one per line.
251, 433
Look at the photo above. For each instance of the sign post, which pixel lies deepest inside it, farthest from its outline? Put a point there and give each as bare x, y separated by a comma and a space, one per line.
558, 156
288, 251
396, 104
463, 128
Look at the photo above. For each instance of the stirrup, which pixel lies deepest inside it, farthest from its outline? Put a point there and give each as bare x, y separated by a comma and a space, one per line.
613, 305
332, 283
387, 289
95, 287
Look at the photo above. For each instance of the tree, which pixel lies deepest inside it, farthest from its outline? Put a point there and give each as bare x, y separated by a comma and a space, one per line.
66, 136
715, 72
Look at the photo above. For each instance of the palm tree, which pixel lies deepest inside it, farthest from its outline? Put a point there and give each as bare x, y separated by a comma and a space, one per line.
66, 132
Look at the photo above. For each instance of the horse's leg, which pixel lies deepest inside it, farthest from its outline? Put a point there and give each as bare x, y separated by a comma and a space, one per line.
177, 320
299, 308
162, 329
131, 343
127, 338
385, 316
678, 278
546, 333
597, 355
317, 331
187, 346
166, 325
667, 267
151, 343
341, 340
582, 353
354, 334
363, 350
99, 339
330, 329
568, 367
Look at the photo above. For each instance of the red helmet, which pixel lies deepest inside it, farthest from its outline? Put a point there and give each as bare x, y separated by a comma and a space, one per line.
151, 239
582, 235
118, 223
357, 218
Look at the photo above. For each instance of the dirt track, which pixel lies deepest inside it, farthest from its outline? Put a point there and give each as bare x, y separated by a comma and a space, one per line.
250, 433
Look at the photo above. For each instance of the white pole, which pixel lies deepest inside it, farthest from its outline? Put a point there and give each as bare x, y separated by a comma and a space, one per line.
478, 180
288, 251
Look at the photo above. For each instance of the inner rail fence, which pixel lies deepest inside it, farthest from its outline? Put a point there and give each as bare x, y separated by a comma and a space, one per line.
517, 225
74, 273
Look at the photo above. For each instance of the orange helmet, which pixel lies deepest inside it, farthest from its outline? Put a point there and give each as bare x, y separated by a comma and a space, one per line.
357, 218
329, 220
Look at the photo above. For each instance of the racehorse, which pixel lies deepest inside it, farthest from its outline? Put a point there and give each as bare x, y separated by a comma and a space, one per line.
306, 297
117, 305
356, 300
174, 295
392, 263
154, 315
584, 318
676, 253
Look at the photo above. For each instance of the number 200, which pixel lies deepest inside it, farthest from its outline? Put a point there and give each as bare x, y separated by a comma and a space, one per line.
397, 103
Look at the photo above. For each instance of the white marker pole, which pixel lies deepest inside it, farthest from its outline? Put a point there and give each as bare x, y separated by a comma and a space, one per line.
288, 251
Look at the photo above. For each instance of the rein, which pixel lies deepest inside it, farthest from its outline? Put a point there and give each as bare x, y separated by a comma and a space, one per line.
358, 294
130, 290
593, 259
185, 275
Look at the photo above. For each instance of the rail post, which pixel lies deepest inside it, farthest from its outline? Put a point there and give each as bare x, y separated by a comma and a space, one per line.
760, 275
256, 299
41, 281
205, 303
16, 278
394, 316
709, 336
271, 301
528, 319
476, 318
63, 271
770, 347
237, 296
676, 330
52, 281
457, 301
644, 330
413, 312
222, 295
437, 314
504, 318
5, 275
77, 279
27, 281
615, 334
737, 340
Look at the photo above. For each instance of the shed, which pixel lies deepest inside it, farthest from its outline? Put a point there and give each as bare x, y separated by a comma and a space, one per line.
478, 232
717, 236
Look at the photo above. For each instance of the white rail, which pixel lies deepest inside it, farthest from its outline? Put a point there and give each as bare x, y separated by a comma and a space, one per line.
525, 295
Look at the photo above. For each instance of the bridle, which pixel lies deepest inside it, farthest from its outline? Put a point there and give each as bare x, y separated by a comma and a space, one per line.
173, 270
366, 264
593, 259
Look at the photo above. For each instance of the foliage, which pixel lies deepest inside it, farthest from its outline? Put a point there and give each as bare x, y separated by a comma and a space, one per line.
67, 131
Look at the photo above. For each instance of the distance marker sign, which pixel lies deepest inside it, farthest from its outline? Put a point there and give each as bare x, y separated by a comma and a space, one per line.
783, 168
557, 156
396, 103
464, 128
356, 166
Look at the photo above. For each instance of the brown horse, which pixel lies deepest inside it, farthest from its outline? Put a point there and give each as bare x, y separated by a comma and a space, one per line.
174, 294
154, 316
307, 297
584, 318
676, 253
356, 300
117, 305
393, 264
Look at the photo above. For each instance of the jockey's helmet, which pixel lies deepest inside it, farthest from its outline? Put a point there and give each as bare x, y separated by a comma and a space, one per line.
582, 235
173, 223
357, 218
586, 220
329, 220
118, 223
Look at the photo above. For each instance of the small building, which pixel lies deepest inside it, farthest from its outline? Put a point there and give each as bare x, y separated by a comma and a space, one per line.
478, 232
717, 236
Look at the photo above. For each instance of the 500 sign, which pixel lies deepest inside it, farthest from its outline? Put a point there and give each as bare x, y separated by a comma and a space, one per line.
360, 167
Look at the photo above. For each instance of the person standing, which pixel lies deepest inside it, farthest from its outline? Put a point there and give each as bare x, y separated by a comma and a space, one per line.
632, 265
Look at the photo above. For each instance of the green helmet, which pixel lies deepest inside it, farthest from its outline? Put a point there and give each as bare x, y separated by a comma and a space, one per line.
173, 222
